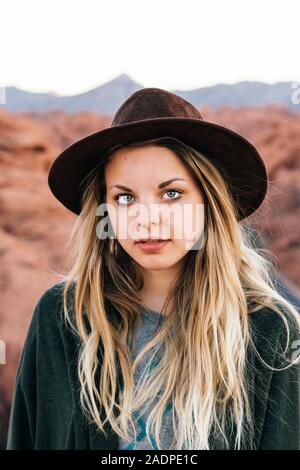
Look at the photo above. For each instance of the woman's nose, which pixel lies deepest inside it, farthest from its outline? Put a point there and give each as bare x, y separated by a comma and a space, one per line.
149, 214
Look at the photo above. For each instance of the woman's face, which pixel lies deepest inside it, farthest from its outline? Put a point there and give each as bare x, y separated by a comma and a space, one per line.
142, 203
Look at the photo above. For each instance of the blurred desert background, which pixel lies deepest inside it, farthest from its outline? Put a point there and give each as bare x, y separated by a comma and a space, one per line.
34, 226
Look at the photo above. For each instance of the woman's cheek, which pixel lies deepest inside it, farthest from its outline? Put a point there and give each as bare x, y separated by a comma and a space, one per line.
188, 224
199, 223
120, 224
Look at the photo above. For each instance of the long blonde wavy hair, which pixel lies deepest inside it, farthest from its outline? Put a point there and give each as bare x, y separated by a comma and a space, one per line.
202, 371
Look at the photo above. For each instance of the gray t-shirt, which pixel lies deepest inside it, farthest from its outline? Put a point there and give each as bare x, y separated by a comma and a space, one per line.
149, 321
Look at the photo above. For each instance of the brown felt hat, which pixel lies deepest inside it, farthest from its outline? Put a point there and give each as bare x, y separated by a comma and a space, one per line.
154, 112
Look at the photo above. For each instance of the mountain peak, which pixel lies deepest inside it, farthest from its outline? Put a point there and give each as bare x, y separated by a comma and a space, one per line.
124, 78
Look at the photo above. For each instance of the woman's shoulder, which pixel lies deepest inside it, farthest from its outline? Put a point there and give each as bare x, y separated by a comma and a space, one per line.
52, 295
48, 339
47, 318
268, 319
50, 302
275, 332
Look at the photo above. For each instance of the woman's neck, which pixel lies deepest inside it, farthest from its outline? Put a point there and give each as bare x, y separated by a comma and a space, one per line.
157, 285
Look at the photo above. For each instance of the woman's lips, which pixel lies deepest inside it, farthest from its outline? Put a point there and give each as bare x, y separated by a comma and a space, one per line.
152, 246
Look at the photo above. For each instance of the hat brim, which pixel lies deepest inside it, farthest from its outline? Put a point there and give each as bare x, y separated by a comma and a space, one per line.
229, 151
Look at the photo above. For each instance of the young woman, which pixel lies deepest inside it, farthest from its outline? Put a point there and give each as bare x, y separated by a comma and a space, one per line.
180, 344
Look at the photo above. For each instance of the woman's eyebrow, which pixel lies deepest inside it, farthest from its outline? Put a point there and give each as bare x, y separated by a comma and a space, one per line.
161, 185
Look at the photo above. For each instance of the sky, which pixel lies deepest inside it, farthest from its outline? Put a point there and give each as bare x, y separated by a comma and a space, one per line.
69, 47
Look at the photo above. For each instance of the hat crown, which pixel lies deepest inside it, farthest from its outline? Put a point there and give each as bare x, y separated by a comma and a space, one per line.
151, 103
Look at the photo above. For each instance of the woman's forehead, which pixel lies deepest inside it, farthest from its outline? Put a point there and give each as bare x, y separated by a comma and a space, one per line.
146, 163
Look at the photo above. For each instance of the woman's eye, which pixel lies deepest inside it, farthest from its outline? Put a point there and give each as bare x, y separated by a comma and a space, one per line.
117, 198
173, 191
124, 202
